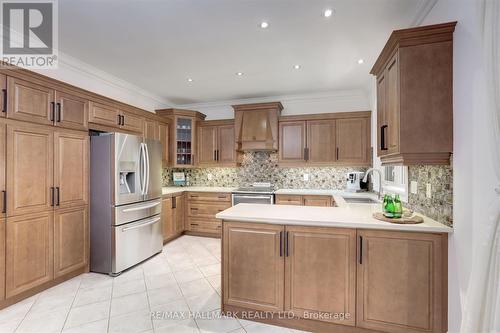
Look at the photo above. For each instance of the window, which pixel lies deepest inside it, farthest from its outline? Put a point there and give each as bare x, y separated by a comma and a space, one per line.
396, 181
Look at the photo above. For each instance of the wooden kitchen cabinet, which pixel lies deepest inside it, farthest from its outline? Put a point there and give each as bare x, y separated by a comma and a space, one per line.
304, 200
289, 199
353, 138
3, 95
3, 157
71, 169
172, 217
201, 210
71, 240
103, 114
179, 211
292, 145
30, 168
164, 136
401, 279
151, 129
2, 258
132, 122
414, 96
320, 272
28, 101
321, 142
71, 111
216, 143
28, 252
253, 266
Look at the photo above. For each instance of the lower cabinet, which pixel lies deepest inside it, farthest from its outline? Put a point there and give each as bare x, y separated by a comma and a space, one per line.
305, 200
172, 215
28, 252
2, 259
201, 210
400, 282
71, 240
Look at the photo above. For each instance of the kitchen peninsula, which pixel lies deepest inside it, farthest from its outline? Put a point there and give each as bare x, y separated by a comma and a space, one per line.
333, 269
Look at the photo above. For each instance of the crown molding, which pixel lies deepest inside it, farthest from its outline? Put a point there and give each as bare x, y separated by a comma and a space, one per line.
422, 12
318, 96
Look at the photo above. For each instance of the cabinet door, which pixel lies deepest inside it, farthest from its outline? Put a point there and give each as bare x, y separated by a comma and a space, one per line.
289, 199
150, 129
30, 169
3, 95
3, 157
207, 144
226, 150
163, 132
353, 141
30, 102
71, 242
320, 273
105, 115
2, 258
292, 141
71, 168
321, 141
399, 282
381, 115
71, 111
132, 122
167, 215
179, 209
253, 266
29, 252
317, 200
392, 105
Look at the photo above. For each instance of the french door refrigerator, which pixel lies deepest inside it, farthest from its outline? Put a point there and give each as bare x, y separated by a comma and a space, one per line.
125, 201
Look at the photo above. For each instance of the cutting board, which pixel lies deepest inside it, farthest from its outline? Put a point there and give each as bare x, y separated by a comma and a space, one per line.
403, 220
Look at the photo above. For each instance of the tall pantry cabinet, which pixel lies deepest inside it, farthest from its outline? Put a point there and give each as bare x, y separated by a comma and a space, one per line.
44, 149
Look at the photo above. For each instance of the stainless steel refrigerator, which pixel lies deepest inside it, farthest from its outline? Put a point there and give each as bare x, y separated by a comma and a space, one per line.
125, 201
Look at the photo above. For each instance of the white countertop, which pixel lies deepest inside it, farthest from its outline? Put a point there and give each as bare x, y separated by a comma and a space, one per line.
179, 189
345, 216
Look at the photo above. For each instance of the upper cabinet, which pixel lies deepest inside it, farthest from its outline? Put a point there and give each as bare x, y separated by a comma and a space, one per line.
256, 126
325, 139
216, 143
182, 136
109, 115
414, 96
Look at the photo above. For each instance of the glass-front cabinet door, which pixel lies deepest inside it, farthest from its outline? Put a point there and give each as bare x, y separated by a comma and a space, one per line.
184, 142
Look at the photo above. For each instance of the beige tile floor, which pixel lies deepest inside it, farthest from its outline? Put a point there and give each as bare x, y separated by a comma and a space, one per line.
183, 279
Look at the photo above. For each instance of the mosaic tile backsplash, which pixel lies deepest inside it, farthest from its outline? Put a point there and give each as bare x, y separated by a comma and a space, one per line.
263, 167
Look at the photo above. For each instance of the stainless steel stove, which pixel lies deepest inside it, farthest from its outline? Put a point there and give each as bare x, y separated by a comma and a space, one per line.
261, 193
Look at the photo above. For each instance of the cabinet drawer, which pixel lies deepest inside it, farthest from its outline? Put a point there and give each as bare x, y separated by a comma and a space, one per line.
203, 225
205, 209
317, 200
210, 196
289, 200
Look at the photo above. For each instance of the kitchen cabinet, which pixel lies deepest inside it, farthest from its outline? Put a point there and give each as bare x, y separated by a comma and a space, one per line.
325, 139
253, 266
29, 101
30, 168
201, 210
3, 157
71, 240
2, 258
28, 252
103, 114
216, 143
151, 129
164, 136
401, 278
320, 272
353, 137
414, 96
172, 217
167, 218
179, 210
287, 199
3, 95
256, 126
71, 111
132, 122
304, 200
71, 169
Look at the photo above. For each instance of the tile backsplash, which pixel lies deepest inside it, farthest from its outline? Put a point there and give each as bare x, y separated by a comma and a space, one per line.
263, 167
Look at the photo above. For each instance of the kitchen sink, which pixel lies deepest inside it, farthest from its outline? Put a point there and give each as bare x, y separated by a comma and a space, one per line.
360, 200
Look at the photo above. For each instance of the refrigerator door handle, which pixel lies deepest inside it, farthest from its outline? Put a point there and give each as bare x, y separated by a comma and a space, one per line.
146, 154
146, 223
142, 161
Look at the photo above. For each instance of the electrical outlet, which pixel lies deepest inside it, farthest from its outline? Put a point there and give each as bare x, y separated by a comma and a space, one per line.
428, 192
210, 176
413, 187
306, 177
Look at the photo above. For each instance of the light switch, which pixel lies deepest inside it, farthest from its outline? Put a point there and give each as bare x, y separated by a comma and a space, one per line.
306, 177
428, 192
413, 187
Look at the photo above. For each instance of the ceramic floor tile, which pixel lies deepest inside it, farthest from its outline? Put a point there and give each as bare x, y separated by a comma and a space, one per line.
94, 280
92, 295
87, 314
100, 326
134, 322
122, 288
186, 326
195, 288
264, 328
66, 288
164, 295
211, 270
133, 274
159, 281
219, 324
188, 275
51, 303
129, 303
205, 260
46, 322
205, 302
170, 313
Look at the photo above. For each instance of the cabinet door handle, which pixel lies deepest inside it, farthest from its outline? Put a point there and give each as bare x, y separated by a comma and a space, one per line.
215, 155
52, 196
123, 120
194, 223
360, 250
58, 118
281, 243
337, 153
306, 154
383, 145
4, 208
174, 202
4, 92
52, 111
119, 119
58, 196
286, 244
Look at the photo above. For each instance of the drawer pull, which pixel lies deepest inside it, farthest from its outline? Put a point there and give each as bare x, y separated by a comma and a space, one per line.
195, 224
222, 197
194, 208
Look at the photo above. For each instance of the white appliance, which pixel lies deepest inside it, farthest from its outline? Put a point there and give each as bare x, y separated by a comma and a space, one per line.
354, 181
125, 201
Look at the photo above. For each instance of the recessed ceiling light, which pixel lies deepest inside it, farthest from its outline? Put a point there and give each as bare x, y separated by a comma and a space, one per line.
360, 61
328, 12
239, 73
296, 66
190, 80
264, 25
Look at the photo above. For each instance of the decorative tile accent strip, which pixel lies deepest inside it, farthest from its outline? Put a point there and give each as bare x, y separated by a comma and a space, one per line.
440, 206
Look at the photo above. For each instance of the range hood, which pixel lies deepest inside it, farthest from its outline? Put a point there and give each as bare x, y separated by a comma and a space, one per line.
256, 126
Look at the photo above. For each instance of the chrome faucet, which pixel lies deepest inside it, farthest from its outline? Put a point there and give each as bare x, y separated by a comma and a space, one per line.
365, 179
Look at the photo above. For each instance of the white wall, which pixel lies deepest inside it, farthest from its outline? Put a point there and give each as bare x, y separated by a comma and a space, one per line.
339, 101
472, 166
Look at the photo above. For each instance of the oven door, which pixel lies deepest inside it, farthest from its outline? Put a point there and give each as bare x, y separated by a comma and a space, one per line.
267, 199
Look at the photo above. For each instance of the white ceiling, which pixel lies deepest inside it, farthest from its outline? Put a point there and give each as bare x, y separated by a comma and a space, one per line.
158, 44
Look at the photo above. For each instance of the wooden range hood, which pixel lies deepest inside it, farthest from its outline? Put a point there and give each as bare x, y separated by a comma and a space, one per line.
256, 126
